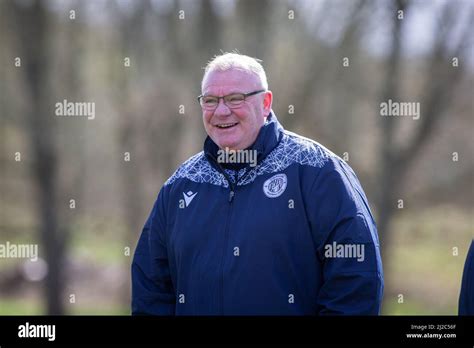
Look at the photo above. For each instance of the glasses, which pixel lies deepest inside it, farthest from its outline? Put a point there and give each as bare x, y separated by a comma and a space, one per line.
234, 100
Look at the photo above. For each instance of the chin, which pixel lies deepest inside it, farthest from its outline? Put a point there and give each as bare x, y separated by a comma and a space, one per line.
226, 143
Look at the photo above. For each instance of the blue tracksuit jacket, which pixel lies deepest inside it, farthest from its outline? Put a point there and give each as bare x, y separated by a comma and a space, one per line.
466, 297
278, 238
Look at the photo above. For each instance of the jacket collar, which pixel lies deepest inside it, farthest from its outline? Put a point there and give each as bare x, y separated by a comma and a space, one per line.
267, 139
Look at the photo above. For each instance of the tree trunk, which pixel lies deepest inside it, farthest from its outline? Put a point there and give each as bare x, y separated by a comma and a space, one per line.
32, 27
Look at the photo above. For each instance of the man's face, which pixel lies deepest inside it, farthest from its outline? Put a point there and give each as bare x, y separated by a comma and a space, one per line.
247, 119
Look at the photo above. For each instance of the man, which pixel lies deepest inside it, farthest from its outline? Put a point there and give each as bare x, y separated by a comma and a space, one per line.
286, 232
466, 297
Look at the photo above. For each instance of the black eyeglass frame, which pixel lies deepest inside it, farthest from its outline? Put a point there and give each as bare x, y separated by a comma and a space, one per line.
223, 97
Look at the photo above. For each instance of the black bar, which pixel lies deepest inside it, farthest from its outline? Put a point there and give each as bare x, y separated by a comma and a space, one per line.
290, 330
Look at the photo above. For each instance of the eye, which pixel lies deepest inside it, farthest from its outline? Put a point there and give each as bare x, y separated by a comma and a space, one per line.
235, 98
209, 100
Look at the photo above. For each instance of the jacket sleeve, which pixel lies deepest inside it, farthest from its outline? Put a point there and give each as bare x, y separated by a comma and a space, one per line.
152, 288
466, 297
347, 243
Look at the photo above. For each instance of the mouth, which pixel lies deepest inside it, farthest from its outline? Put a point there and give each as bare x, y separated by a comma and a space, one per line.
226, 125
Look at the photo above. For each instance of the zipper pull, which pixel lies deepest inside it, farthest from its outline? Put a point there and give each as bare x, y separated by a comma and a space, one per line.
231, 195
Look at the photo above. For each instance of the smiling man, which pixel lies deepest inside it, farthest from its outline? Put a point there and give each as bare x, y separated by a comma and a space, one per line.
273, 238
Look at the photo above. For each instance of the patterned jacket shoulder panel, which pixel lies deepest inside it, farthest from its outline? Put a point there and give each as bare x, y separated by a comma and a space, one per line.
292, 149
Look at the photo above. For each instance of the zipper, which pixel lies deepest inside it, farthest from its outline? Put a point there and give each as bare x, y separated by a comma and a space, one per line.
225, 248
226, 237
232, 186
226, 231
223, 172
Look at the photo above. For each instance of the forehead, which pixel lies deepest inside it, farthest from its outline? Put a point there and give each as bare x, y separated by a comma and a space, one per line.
230, 81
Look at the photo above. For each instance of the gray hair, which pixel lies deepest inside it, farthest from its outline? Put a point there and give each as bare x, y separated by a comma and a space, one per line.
227, 61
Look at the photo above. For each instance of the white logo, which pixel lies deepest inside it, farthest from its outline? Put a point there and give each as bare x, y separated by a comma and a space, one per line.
76, 109
345, 251
30, 330
188, 197
275, 186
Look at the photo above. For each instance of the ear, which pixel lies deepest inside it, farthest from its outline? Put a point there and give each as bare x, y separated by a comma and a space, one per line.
267, 103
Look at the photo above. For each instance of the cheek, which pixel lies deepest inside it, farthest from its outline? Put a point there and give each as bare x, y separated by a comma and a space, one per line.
249, 120
245, 117
206, 117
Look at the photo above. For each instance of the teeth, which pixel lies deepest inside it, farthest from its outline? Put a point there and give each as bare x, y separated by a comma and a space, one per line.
227, 125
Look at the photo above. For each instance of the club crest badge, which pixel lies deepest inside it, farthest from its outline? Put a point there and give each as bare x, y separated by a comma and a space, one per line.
275, 186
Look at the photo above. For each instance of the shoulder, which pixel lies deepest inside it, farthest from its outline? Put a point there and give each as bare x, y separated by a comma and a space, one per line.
325, 171
198, 169
296, 149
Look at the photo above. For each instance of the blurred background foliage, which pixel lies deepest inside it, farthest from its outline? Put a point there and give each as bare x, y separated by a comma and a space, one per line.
77, 50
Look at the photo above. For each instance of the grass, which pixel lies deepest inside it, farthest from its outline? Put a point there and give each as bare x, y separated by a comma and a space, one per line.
16, 306
33, 306
422, 263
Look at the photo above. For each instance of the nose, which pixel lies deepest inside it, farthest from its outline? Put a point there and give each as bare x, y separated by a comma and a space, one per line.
222, 109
